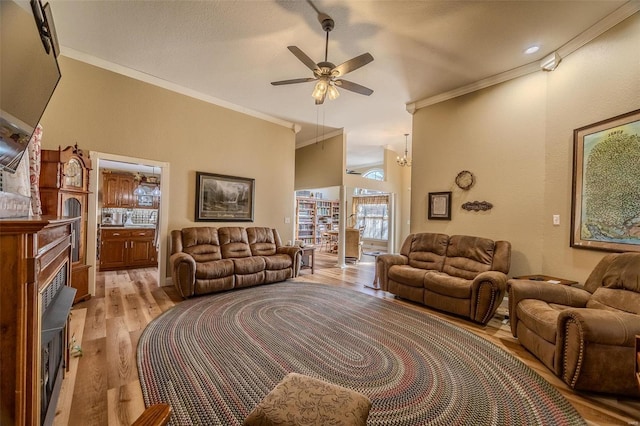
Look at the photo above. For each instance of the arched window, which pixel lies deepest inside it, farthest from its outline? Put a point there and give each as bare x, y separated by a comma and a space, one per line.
374, 174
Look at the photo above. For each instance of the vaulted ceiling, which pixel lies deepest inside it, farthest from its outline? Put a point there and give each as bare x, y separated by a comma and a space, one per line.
232, 50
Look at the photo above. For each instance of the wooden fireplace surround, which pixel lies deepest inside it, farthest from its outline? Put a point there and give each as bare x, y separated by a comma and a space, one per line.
33, 251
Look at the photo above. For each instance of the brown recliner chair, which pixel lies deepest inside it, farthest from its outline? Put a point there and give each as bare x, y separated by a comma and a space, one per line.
585, 334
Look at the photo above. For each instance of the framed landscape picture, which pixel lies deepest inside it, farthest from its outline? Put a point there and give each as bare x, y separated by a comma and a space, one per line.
439, 205
606, 185
221, 198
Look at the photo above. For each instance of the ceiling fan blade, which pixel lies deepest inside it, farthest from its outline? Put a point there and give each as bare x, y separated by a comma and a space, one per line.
353, 64
293, 81
354, 87
303, 58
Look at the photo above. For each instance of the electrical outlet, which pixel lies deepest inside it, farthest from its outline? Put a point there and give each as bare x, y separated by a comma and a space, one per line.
556, 219
287, 220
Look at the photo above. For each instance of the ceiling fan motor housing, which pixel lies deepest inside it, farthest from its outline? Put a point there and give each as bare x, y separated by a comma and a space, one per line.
326, 22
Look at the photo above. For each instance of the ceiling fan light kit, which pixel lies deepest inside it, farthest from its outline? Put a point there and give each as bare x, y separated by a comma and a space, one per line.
325, 73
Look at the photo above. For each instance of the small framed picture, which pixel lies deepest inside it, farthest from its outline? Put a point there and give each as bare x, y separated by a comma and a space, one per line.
439, 205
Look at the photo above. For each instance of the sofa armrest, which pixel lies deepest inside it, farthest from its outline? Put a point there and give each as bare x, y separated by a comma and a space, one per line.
487, 292
183, 272
595, 349
296, 257
386, 261
602, 326
541, 290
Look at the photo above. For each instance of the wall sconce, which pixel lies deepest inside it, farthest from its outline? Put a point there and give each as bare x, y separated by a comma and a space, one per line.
551, 62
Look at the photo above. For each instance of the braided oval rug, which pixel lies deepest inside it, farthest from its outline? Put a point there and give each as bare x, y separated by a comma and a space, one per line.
214, 358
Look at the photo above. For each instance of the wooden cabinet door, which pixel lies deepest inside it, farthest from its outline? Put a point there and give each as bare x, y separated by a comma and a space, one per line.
110, 190
113, 254
140, 252
127, 185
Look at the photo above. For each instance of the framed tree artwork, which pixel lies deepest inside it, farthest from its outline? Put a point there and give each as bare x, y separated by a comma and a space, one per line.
606, 185
221, 198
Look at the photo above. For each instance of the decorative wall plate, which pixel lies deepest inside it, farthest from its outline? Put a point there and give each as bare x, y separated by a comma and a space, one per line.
465, 179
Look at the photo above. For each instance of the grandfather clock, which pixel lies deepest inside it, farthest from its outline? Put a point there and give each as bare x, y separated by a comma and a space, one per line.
64, 191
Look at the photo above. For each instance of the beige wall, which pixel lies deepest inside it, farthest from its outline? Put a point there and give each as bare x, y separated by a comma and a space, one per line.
517, 138
106, 112
320, 164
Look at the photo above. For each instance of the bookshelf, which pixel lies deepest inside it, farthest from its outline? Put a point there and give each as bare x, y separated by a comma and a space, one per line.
315, 216
305, 220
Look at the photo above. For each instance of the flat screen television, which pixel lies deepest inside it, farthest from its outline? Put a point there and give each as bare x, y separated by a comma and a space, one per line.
29, 74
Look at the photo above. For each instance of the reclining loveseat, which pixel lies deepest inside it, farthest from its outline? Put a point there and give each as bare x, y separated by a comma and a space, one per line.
461, 274
208, 260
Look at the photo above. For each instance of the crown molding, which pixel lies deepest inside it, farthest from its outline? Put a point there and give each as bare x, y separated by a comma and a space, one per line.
156, 81
608, 22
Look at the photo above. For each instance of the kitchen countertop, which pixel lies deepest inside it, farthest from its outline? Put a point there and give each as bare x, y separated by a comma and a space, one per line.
136, 226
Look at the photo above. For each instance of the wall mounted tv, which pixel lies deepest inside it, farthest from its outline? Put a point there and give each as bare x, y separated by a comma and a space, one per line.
29, 74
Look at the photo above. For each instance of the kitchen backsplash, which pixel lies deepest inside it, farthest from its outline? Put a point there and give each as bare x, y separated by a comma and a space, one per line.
111, 215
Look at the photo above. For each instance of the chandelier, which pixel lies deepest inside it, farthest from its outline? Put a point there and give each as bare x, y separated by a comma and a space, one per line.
404, 160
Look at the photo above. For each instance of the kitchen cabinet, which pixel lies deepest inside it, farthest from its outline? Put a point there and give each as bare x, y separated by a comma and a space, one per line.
127, 248
117, 190
147, 200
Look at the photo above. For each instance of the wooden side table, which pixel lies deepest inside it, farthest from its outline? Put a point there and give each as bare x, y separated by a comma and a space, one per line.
308, 258
547, 278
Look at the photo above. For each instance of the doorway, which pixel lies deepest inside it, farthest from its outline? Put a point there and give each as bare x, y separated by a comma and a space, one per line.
140, 167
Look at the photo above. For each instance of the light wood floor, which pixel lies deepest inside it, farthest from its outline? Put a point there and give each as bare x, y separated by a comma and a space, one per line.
102, 387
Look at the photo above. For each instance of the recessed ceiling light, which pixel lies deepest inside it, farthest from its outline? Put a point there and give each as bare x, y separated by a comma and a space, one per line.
532, 49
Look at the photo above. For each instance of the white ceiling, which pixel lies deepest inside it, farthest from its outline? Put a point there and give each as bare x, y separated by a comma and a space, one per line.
232, 50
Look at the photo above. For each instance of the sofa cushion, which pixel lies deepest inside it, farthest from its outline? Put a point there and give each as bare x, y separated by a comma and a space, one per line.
249, 265
277, 262
540, 317
234, 242
407, 275
623, 273
441, 283
615, 300
200, 235
428, 251
214, 269
201, 243
261, 241
467, 256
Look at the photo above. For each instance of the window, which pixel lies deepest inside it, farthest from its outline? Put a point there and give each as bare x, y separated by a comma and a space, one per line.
374, 174
372, 215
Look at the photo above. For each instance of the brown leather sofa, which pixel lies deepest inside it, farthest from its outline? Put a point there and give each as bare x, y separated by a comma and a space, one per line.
461, 274
584, 334
208, 260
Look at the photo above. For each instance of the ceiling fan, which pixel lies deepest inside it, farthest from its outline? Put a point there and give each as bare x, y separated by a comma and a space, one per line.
326, 74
